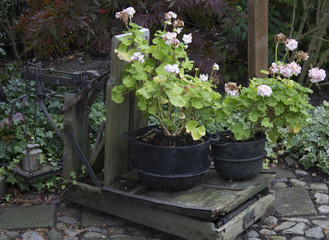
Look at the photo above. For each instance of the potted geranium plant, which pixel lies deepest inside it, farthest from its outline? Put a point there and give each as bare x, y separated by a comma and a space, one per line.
260, 109
173, 155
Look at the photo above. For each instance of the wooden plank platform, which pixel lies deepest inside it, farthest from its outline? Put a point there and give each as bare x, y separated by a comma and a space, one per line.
213, 198
190, 228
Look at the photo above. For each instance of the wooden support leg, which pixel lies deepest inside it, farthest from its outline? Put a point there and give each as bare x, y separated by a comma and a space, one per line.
77, 118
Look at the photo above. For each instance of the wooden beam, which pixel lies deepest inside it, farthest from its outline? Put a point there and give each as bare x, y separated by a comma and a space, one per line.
118, 120
257, 37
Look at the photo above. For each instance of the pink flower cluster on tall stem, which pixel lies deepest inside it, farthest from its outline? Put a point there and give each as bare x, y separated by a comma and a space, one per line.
316, 75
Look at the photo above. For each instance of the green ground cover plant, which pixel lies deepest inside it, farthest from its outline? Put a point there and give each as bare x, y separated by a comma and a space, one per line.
311, 145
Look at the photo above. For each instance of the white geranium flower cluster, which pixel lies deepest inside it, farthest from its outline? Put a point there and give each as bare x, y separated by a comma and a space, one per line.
187, 38
264, 90
137, 56
169, 15
286, 70
125, 14
171, 68
291, 44
316, 75
204, 77
170, 38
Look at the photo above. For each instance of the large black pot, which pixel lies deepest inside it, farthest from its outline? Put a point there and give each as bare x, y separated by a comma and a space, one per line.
169, 168
237, 160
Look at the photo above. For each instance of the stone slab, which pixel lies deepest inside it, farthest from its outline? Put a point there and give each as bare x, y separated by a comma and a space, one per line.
282, 173
27, 217
293, 202
91, 217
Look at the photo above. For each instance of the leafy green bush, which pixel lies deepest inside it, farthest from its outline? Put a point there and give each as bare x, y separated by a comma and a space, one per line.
22, 125
311, 145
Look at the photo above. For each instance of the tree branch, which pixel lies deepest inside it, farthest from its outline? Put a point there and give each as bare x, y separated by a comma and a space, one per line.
323, 58
293, 19
11, 37
304, 17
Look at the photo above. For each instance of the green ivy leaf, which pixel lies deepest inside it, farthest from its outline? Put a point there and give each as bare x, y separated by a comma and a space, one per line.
308, 160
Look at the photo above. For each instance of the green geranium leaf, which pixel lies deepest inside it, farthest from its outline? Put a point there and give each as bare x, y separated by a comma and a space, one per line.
262, 107
146, 91
152, 110
178, 101
271, 102
266, 122
142, 104
117, 93
196, 132
273, 134
239, 132
128, 81
176, 90
254, 115
191, 125
196, 103
279, 109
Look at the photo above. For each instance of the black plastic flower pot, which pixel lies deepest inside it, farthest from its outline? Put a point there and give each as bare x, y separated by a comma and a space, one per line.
169, 168
237, 160
238, 169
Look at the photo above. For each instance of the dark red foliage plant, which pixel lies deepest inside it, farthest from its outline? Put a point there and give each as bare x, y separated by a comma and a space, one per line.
58, 27
55, 28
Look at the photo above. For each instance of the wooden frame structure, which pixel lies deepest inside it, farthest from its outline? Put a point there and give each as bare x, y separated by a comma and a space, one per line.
215, 209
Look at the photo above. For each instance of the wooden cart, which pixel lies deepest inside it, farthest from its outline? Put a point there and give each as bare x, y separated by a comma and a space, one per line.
214, 209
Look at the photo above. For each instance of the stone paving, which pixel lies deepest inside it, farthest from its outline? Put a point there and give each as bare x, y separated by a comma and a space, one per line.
301, 212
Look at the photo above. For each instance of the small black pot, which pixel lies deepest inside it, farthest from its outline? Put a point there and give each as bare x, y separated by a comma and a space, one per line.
237, 160
169, 168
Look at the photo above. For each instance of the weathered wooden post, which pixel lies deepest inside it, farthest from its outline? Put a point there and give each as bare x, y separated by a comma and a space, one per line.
120, 118
257, 37
77, 119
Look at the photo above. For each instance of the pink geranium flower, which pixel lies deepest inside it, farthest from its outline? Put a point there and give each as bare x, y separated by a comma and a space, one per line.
316, 74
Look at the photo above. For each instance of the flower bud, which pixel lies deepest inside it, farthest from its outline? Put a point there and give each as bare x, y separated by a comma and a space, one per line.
301, 56
280, 38
178, 23
291, 83
232, 89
